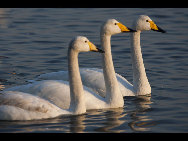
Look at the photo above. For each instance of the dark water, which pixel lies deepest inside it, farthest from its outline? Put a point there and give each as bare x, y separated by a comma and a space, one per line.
34, 41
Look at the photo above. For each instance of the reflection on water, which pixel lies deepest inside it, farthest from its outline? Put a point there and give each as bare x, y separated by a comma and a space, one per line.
119, 120
113, 118
77, 123
141, 122
106, 123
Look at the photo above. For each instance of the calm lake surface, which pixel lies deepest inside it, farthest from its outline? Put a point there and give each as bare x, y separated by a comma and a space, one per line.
34, 41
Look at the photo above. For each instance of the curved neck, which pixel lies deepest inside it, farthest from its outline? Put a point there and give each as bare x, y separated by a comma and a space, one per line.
113, 94
77, 104
140, 81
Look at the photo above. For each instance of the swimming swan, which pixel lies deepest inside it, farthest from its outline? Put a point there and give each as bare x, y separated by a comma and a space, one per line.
114, 98
141, 84
95, 81
15, 105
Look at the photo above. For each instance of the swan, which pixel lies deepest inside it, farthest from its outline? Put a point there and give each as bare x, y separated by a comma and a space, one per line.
16, 105
114, 98
141, 84
96, 81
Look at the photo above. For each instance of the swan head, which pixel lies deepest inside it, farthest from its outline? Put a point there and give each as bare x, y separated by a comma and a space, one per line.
82, 44
112, 26
145, 23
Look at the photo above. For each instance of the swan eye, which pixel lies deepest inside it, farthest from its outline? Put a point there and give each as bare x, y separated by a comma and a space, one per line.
85, 41
147, 21
115, 23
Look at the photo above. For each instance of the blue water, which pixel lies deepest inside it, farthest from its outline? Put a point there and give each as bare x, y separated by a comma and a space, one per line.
34, 41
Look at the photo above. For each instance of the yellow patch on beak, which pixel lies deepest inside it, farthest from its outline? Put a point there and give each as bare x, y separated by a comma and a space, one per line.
123, 28
153, 25
92, 47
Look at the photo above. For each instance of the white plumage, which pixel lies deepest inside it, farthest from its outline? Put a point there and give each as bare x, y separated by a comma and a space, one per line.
56, 90
23, 106
58, 93
96, 81
19, 105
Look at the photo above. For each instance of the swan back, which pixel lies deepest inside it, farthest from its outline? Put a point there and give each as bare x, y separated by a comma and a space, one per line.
23, 106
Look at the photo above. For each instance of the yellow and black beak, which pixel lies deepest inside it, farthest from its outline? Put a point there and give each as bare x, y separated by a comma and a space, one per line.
154, 27
94, 48
124, 28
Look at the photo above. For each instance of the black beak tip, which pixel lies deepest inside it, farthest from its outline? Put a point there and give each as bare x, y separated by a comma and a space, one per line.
161, 30
100, 50
131, 30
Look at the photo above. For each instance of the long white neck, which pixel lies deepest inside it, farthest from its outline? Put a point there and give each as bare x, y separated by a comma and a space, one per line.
113, 94
140, 82
77, 104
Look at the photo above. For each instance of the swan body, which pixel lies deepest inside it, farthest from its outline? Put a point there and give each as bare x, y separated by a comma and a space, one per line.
17, 105
58, 93
140, 84
53, 89
95, 82
23, 106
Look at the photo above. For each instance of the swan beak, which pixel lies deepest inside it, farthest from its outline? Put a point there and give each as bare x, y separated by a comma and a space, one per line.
154, 27
94, 48
124, 28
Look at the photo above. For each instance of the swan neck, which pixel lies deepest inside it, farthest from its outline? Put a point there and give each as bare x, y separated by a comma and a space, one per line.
140, 81
77, 104
113, 94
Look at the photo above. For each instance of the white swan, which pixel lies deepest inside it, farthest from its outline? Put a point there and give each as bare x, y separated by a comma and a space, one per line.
95, 81
141, 84
16, 105
114, 98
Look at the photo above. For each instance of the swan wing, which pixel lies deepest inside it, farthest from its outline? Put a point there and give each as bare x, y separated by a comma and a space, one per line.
58, 93
23, 106
95, 81
55, 91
